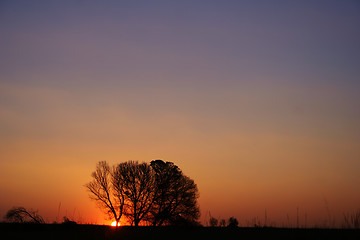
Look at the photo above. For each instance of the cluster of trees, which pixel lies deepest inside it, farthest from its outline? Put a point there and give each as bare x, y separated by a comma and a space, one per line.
157, 193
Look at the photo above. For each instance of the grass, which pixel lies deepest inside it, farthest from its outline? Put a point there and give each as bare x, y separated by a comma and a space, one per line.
68, 232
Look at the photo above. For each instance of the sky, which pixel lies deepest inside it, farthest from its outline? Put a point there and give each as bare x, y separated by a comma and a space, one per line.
257, 101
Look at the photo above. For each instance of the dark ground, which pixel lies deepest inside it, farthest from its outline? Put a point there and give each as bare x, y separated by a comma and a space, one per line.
68, 232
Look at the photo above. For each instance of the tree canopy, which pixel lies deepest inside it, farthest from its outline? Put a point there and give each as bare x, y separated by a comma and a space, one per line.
176, 195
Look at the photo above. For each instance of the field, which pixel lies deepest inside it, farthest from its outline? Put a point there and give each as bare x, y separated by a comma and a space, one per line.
68, 232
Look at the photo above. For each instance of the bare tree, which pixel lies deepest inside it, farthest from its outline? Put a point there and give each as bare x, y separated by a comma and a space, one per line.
175, 195
21, 215
107, 190
138, 188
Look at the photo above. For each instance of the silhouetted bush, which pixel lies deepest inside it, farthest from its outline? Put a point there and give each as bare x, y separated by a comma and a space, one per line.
67, 221
21, 215
213, 222
184, 222
233, 222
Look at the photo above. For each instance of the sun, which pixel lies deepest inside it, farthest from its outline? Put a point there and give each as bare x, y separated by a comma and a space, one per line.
114, 224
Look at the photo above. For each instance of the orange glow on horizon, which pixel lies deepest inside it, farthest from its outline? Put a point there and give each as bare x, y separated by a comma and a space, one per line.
114, 224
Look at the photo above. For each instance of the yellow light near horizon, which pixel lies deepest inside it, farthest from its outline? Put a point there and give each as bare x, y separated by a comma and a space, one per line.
114, 224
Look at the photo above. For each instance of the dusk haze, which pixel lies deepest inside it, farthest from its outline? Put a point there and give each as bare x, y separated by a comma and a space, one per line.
258, 102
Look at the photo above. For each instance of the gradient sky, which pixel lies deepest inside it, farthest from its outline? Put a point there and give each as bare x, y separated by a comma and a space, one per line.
257, 101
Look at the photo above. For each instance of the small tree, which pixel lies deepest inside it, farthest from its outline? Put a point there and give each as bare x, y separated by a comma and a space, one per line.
21, 215
107, 190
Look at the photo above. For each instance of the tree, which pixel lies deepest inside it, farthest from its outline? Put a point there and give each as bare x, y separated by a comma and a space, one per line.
175, 197
21, 215
138, 186
107, 190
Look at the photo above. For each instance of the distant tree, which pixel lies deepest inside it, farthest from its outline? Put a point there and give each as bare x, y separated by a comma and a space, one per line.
213, 222
21, 215
106, 188
175, 196
233, 222
138, 187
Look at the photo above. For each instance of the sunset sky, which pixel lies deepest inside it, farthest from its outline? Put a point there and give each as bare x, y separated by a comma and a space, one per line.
257, 101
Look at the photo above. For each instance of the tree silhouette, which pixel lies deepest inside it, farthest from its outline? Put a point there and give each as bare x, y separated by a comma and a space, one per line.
138, 186
107, 191
233, 222
21, 215
67, 221
158, 193
175, 197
